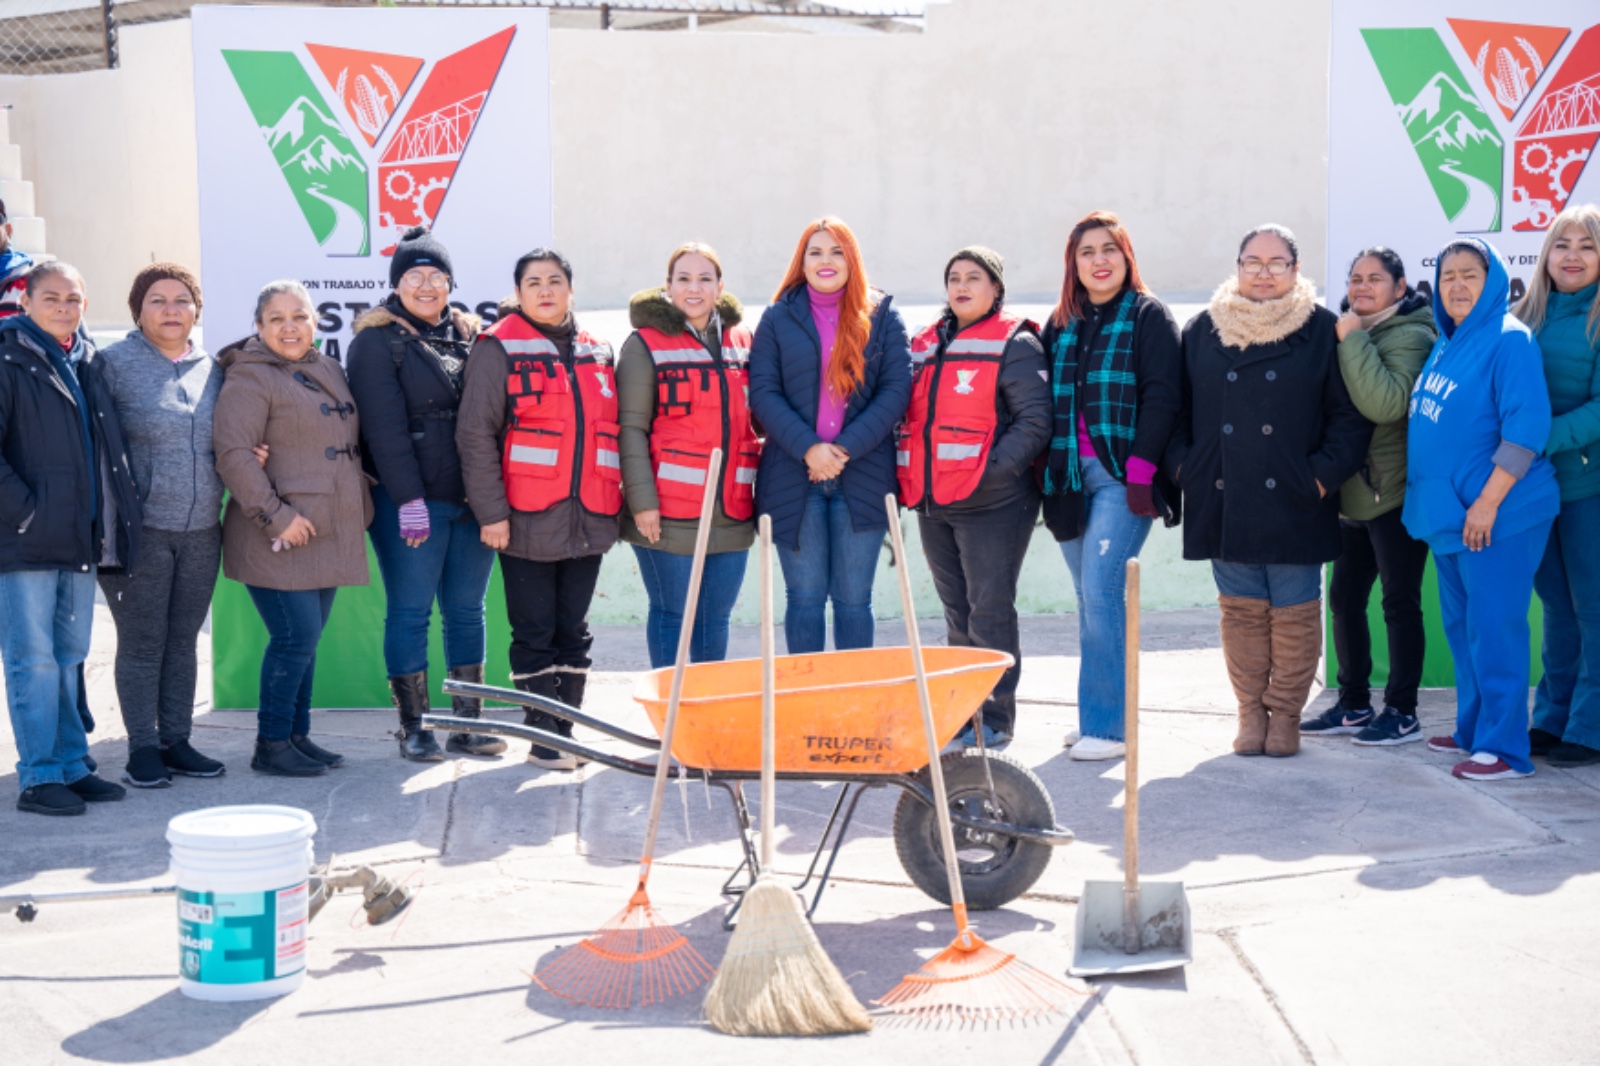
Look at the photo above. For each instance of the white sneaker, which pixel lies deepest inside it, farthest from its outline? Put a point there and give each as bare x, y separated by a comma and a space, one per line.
559, 762
1093, 748
1072, 737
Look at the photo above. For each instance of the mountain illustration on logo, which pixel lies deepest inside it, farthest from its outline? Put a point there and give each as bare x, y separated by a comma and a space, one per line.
325, 173
1454, 138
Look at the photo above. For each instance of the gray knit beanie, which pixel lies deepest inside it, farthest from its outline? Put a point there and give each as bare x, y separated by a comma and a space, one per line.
992, 262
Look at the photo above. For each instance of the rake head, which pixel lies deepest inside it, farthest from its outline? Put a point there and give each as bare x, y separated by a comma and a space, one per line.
973, 982
635, 951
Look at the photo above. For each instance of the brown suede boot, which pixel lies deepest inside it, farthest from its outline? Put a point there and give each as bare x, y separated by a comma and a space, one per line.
1247, 647
1296, 651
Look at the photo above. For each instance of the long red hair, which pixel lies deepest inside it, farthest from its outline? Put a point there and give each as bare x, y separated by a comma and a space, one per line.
845, 368
1074, 297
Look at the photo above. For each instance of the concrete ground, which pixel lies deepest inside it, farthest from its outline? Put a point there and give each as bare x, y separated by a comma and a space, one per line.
1350, 905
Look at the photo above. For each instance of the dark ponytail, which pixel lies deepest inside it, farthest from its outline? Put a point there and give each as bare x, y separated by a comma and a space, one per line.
1392, 265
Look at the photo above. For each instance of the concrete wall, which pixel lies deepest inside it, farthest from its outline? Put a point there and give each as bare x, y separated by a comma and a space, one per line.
1002, 124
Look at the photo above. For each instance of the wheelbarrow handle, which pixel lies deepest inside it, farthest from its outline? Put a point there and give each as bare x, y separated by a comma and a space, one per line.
565, 745
548, 706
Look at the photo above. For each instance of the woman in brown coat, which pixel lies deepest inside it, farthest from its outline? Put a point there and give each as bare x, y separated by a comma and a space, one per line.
294, 529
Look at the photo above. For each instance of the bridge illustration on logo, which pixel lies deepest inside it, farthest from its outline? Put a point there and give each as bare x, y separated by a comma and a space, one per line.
1460, 145
325, 170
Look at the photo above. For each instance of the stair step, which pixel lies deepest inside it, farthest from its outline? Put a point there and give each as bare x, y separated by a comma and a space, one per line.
18, 196
28, 234
10, 162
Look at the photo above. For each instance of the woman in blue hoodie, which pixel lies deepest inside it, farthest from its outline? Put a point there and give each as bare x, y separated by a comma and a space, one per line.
1480, 493
1562, 308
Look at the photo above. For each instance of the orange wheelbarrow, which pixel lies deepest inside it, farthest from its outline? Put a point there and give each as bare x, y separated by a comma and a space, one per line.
847, 718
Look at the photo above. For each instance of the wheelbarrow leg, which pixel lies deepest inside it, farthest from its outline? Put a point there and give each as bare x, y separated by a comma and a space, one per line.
833, 816
751, 865
856, 792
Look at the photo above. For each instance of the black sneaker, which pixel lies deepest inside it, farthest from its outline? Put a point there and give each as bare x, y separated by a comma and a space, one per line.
181, 758
1542, 741
146, 769
51, 799
1389, 728
1570, 754
281, 758
1337, 720
92, 789
321, 754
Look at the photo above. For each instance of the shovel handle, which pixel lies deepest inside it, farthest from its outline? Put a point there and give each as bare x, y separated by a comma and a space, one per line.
1130, 767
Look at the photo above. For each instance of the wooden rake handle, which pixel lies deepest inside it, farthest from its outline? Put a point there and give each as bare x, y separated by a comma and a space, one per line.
1130, 768
769, 699
702, 540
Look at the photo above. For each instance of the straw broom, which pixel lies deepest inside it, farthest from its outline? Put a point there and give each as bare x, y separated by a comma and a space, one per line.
775, 979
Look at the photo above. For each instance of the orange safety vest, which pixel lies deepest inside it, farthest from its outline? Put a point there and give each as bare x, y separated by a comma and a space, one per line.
561, 440
702, 402
950, 424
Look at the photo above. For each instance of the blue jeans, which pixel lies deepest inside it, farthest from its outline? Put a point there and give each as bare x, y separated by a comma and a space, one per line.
452, 566
45, 622
294, 622
1284, 584
1567, 702
833, 562
666, 581
1099, 564
1483, 598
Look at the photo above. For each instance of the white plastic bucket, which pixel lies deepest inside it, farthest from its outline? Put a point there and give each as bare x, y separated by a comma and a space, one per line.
241, 874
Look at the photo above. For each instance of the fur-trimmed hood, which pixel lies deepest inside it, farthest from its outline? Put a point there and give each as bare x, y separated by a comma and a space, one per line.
467, 325
650, 308
1241, 321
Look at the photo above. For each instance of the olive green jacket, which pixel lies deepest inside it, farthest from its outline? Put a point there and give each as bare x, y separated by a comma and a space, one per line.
1379, 369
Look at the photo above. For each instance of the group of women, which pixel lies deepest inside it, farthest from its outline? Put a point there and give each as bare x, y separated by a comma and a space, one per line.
1283, 435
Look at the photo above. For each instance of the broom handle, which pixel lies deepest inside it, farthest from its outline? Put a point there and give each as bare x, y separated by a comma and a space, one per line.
702, 540
947, 839
1130, 768
769, 700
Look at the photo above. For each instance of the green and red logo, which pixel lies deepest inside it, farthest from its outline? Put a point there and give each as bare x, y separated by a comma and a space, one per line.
1551, 118
332, 175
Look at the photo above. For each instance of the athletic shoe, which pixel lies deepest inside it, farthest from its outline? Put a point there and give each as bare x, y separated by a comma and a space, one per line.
1337, 720
303, 745
1389, 728
1542, 741
1072, 737
181, 758
146, 769
993, 739
51, 799
961, 741
550, 759
1093, 749
1445, 745
1485, 767
1569, 754
92, 789
281, 758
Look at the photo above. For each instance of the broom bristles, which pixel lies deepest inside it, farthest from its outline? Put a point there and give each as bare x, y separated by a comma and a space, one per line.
775, 979
635, 950
972, 981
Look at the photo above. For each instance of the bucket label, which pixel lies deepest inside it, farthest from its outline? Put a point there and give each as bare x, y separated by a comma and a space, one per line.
237, 938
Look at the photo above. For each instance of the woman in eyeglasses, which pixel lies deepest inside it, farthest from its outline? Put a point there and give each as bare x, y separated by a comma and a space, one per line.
406, 368
294, 528
1266, 437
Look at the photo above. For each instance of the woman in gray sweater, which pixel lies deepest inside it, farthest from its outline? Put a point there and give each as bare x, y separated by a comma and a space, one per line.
165, 388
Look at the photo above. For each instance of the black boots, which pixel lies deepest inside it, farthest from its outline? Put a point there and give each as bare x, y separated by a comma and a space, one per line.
281, 758
322, 755
410, 693
573, 683
471, 707
546, 685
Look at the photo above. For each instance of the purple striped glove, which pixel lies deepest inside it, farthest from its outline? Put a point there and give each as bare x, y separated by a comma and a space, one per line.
414, 520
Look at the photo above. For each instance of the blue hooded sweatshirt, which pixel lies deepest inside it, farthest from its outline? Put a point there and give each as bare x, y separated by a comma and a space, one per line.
1479, 402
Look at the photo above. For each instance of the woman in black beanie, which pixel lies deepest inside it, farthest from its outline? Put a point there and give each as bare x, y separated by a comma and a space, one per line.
405, 371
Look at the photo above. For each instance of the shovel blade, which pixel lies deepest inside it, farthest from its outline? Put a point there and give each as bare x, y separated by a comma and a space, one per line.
1166, 937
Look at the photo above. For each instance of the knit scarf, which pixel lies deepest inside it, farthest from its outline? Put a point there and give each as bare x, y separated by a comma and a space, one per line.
1241, 321
1111, 408
1368, 322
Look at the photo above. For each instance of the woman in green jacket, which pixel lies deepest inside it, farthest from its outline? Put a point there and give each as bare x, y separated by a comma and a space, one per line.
1385, 335
1562, 307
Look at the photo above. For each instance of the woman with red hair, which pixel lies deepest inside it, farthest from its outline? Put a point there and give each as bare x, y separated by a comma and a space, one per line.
1116, 378
830, 378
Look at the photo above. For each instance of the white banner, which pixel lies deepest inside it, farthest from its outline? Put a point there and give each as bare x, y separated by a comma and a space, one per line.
325, 133
1458, 117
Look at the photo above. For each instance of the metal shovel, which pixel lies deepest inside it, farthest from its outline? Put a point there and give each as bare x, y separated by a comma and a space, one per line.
1128, 927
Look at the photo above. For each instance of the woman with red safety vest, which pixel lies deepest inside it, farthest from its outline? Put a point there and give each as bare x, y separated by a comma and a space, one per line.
979, 415
537, 433
683, 385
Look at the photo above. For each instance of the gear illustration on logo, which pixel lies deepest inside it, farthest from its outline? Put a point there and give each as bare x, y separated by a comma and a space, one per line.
419, 199
1559, 168
411, 183
1537, 146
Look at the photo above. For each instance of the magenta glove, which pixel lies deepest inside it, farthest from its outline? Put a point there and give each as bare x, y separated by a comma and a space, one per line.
1142, 501
414, 520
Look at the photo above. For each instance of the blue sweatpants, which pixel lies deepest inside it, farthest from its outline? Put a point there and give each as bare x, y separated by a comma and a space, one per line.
1484, 598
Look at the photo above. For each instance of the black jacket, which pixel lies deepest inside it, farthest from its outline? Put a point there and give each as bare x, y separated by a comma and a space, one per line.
46, 518
1260, 427
408, 404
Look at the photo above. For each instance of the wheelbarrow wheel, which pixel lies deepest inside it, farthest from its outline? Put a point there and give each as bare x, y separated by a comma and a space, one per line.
995, 869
